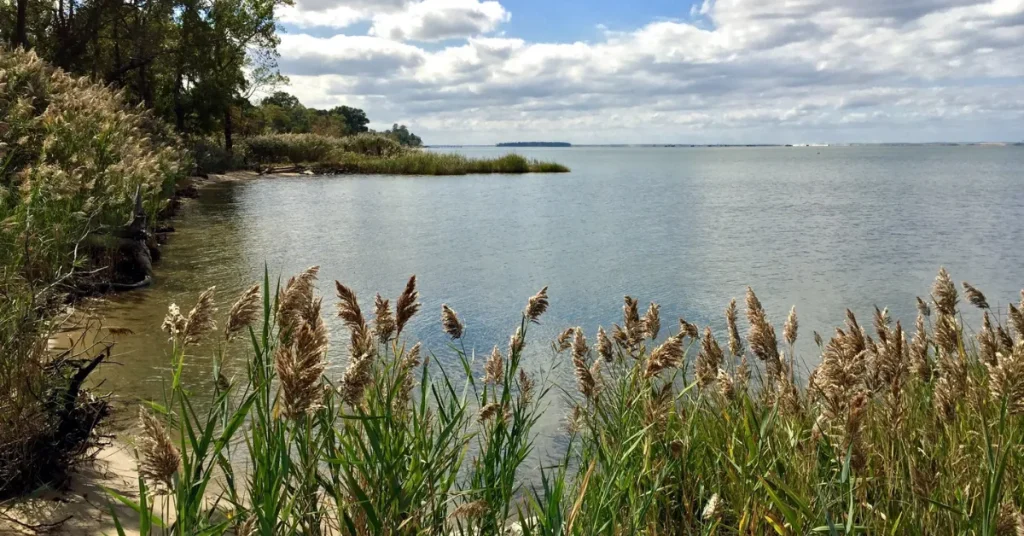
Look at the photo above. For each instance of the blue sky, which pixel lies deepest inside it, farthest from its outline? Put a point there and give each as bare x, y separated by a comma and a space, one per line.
716, 71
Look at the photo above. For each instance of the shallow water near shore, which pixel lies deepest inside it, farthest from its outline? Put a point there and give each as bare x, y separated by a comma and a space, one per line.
820, 228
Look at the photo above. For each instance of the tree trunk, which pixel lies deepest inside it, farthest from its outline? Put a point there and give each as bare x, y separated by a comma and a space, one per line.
21, 29
227, 129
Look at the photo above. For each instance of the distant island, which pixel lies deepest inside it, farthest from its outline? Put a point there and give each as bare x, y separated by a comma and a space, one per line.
535, 144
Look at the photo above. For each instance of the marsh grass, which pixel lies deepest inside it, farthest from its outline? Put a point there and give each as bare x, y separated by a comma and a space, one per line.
376, 154
657, 445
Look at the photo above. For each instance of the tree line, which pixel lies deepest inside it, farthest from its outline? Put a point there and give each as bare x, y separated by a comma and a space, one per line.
196, 63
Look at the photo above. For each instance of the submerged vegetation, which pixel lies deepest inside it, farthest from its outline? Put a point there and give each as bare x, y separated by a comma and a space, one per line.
377, 154
670, 431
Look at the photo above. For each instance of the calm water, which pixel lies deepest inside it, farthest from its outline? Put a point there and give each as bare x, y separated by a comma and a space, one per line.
821, 228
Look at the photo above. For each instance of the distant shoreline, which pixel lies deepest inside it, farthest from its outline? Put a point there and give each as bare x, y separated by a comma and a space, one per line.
567, 145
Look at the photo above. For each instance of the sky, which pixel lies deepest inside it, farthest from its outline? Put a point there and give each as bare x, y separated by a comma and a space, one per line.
660, 71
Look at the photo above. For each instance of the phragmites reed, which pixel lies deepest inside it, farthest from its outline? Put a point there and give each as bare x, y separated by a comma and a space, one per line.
1006, 379
735, 342
817, 339
174, 321
922, 307
294, 300
525, 387
944, 293
632, 332
536, 305
988, 345
604, 345
516, 342
667, 355
761, 337
488, 411
356, 378
362, 349
920, 365
652, 321
300, 367
975, 296
200, 320
742, 374
709, 360
160, 458
494, 369
725, 385
406, 306
450, 322
245, 312
564, 340
790, 327
384, 321
843, 370
348, 307
853, 441
689, 330
471, 510
712, 510
1017, 320
584, 376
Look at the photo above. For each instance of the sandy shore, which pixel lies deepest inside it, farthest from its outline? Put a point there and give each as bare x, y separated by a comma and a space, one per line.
84, 508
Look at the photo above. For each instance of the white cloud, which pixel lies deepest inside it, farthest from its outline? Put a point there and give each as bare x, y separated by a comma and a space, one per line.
752, 70
436, 20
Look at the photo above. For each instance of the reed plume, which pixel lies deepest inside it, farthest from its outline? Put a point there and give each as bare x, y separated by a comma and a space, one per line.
709, 360
536, 305
300, 367
494, 369
246, 310
294, 299
488, 411
357, 377
988, 345
919, 362
712, 510
922, 307
348, 307
471, 510
735, 342
200, 320
974, 296
525, 387
450, 322
1017, 320
853, 441
384, 322
761, 337
585, 381
818, 340
668, 355
564, 340
1006, 379
725, 385
604, 345
689, 330
174, 321
516, 343
843, 370
652, 321
160, 458
790, 327
406, 306
944, 293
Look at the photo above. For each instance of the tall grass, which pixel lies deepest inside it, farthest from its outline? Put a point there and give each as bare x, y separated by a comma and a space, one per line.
668, 433
73, 155
376, 154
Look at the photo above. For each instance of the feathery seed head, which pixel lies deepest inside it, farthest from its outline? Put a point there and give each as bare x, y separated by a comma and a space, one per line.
709, 360
494, 370
712, 510
564, 341
174, 322
790, 328
348, 307
516, 342
604, 345
200, 319
450, 322
245, 312
735, 342
294, 300
406, 306
652, 321
384, 321
668, 355
975, 296
922, 307
537, 304
160, 458
944, 293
